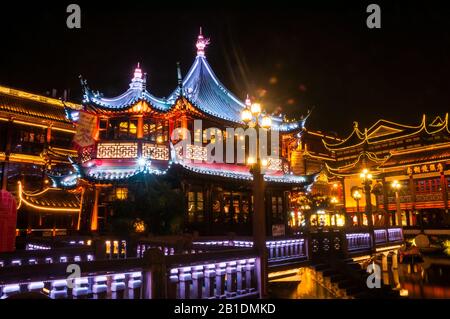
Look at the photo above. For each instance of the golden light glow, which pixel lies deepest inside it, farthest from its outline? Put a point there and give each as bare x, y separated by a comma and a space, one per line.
365, 174
139, 226
266, 122
264, 162
159, 139
121, 193
396, 185
256, 108
246, 115
356, 195
251, 160
334, 200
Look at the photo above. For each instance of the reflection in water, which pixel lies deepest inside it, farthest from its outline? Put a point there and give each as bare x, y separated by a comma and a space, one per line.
427, 280
300, 286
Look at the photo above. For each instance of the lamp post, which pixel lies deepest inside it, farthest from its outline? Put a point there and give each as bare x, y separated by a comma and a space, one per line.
357, 196
366, 178
398, 214
253, 111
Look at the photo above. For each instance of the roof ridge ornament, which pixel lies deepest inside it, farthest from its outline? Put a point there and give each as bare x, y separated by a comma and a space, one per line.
248, 102
201, 44
179, 79
138, 81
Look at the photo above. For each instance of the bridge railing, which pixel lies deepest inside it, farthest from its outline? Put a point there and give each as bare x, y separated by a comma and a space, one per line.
361, 241
278, 249
47, 256
224, 274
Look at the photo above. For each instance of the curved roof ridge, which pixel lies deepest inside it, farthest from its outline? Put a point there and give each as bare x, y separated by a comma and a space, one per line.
355, 132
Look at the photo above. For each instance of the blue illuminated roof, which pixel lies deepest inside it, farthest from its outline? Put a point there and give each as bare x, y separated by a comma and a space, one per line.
136, 92
204, 90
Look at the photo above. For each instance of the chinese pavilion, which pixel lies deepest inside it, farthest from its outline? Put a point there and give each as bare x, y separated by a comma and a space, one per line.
416, 157
35, 138
126, 148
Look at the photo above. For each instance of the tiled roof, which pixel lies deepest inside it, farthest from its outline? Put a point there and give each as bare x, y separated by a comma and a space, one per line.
38, 107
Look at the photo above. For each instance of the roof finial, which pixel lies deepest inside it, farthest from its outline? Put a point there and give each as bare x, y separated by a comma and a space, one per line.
201, 44
138, 82
248, 102
179, 78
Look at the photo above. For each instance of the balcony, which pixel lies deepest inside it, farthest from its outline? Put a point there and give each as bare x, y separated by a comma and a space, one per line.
131, 150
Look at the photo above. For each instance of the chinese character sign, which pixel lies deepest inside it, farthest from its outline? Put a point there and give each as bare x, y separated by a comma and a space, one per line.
85, 130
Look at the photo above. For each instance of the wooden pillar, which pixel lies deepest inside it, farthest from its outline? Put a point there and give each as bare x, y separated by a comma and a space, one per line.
140, 127
444, 190
386, 201
412, 190
94, 216
83, 190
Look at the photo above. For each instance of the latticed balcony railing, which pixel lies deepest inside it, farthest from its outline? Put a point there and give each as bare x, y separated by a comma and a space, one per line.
132, 150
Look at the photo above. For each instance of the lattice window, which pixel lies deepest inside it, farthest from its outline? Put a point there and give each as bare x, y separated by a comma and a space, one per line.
157, 152
117, 150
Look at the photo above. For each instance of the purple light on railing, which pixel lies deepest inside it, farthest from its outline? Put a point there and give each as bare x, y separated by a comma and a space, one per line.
16, 262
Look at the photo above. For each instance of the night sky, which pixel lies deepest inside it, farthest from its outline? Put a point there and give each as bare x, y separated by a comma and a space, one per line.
293, 58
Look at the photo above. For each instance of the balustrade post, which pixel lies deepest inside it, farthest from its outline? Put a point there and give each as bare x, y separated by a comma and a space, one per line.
154, 276
185, 279
210, 275
231, 279
250, 278
99, 288
197, 282
81, 289
134, 285
172, 289
271, 250
241, 276
59, 289
220, 280
118, 286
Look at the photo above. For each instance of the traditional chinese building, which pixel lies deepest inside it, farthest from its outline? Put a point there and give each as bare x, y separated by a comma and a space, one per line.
126, 152
35, 138
417, 156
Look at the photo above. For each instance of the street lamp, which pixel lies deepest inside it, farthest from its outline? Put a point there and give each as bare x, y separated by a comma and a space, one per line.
253, 112
366, 178
357, 196
396, 187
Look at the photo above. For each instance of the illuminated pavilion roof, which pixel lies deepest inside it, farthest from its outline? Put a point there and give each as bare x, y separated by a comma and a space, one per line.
242, 172
201, 87
136, 92
384, 130
40, 108
51, 199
